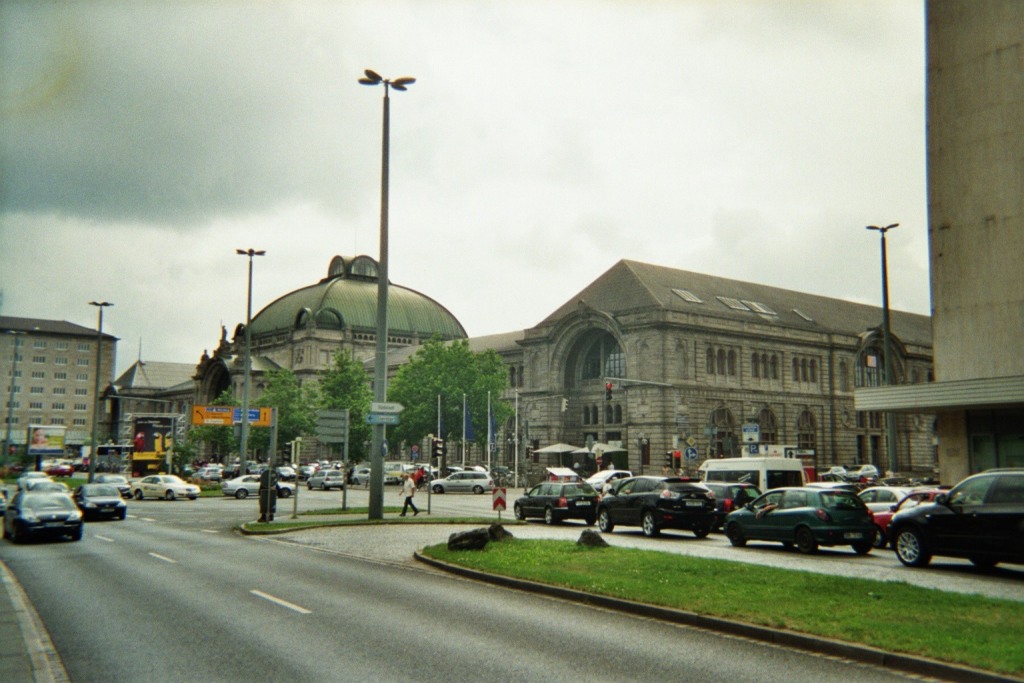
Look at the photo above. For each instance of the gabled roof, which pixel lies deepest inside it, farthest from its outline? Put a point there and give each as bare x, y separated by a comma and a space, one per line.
155, 375
630, 286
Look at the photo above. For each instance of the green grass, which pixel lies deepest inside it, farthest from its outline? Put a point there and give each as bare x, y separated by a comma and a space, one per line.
981, 632
353, 516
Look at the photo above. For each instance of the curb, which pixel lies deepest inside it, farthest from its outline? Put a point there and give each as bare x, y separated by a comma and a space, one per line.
859, 653
43, 660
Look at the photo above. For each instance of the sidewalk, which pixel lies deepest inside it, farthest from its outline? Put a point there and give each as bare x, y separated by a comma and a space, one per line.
26, 653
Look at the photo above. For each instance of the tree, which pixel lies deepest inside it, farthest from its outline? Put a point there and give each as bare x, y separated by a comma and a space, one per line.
346, 386
451, 371
296, 409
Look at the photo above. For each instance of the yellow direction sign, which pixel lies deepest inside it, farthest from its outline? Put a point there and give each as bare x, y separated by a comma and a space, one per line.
224, 416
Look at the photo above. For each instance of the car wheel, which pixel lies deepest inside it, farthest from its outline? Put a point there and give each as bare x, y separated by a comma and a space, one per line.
910, 548
701, 531
735, 535
649, 526
604, 522
169, 495
879, 541
983, 562
438, 489
518, 509
863, 548
241, 493
284, 493
138, 494
805, 542
549, 516
478, 489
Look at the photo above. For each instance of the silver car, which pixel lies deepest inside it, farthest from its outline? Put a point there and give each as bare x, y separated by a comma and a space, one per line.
326, 479
249, 485
463, 482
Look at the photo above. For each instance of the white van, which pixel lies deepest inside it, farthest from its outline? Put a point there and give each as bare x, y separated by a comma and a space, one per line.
764, 473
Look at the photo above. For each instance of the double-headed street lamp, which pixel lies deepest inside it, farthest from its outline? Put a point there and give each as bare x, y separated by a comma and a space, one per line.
243, 445
380, 376
96, 389
890, 419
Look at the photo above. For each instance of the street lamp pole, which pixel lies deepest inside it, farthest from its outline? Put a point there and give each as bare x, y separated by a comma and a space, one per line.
890, 419
243, 446
10, 403
96, 389
380, 376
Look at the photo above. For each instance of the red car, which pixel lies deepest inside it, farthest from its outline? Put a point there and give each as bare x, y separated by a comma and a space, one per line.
912, 499
59, 470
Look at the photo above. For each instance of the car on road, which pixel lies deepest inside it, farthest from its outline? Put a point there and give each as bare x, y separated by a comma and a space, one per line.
730, 496
463, 482
31, 513
118, 480
326, 480
59, 469
249, 485
602, 481
100, 501
656, 503
210, 473
47, 485
22, 481
912, 499
980, 519
166, 486
360, 476
286, 473
555, 501
805, 517
881, 498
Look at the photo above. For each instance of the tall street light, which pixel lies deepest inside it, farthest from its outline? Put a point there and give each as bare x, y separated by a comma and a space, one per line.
10, 403
243, 446
890, 419
380, 376
96, 389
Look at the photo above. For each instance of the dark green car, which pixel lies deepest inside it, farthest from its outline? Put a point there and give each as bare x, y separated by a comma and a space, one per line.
555, 501
805, 518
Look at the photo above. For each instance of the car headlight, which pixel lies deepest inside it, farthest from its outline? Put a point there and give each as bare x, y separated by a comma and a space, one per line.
75, 516
29, 516
90, 504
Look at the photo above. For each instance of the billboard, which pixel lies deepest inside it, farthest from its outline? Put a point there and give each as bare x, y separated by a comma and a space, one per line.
154, 436
46, 440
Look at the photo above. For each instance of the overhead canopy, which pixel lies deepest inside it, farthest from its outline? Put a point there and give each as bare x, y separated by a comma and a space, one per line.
558, 448
599, 447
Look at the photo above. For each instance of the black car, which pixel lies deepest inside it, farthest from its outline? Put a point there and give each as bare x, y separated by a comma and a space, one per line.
118, 480
32, 513
555, 501
730, 496
981, 519
100, 501
656, 503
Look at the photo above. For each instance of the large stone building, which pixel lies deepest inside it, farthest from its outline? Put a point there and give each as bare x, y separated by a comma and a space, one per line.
976, 238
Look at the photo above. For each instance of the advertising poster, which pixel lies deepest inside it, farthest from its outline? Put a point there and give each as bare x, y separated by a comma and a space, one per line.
46, 440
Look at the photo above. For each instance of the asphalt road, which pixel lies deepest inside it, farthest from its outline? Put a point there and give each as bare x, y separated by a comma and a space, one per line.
171, 594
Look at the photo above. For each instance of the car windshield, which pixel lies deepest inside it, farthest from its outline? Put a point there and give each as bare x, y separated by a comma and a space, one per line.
99, 490
40, 502
841, 500
578, 489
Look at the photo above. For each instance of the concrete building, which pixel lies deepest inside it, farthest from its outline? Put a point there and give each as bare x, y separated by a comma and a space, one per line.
976, 238
50, 368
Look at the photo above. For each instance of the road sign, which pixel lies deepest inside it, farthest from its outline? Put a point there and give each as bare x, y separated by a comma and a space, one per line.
691, 453
382, 407
498, 498
754, 450
382, 418
751, 432
228, 415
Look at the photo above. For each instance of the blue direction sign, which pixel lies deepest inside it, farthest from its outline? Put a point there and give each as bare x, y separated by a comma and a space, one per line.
382, 418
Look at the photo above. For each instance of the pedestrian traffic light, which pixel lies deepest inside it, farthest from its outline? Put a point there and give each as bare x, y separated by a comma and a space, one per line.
608, 391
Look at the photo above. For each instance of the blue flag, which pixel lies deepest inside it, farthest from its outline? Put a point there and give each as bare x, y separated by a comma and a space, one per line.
494, 431
468, 423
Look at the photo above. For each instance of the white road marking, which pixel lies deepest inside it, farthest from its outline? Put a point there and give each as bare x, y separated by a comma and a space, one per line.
209, 531
165, 559
282, 603
104, 538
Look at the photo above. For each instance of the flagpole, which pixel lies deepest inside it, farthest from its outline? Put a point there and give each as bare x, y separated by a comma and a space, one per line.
515, 444
490, 431
463, 430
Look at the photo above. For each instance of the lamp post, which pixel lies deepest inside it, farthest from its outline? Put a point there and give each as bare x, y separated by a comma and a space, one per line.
10, 403
380, 376
243, 445
890, 419
96, 389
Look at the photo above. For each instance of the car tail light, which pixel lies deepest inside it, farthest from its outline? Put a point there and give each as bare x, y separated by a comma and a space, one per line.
666, 493
563, 503
823, 515
727, 504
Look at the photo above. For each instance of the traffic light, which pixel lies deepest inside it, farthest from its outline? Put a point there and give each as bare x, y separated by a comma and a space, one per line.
608, 391
565, 404
438, 448
668, 459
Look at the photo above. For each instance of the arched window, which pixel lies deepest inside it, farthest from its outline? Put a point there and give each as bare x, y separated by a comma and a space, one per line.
604, 358
512, 376
869, 368
769, 426
723, 433
803, 369
806, 430
586, 415
796, 370
732, 363
593, 415
608, 415
755, 365
721, 361
618, 414
711, 361
814, 370
775, 366
844, 376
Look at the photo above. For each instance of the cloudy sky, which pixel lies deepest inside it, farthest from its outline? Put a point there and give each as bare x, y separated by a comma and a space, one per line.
141, 143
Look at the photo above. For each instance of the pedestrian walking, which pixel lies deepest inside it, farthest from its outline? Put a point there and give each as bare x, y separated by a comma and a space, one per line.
408, 491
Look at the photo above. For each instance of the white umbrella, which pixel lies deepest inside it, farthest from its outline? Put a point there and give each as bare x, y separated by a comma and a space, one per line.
558, 448
599, 447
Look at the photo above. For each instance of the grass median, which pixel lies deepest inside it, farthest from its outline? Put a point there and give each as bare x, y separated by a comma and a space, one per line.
972, 630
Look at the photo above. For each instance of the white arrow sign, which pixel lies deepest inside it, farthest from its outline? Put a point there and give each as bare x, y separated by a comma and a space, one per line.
389, 408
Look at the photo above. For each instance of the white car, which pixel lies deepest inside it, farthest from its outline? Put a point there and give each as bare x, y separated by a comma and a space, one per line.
603, 479
249, 485
166, 486
468, 481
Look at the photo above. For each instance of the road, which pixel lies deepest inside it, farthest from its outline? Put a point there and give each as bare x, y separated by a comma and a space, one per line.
172, 594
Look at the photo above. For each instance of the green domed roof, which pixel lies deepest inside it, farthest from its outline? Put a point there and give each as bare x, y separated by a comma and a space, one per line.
347, 299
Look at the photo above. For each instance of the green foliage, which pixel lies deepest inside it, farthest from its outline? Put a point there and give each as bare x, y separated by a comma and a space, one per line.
221, 439
451, 371
345, 386
296, 410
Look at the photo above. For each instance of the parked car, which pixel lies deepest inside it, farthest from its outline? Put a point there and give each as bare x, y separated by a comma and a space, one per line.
881, 498
326, 480
166, 486
59, 469
601, 481
118, 480
805, 517
834, 486
306, 471
466, 481
730, 496
23, 480
883, 517
980, 519
249, 485
32, 513
100, 501
286, 473
360, 476
555, 501
210, 473
47, 485
656, 503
